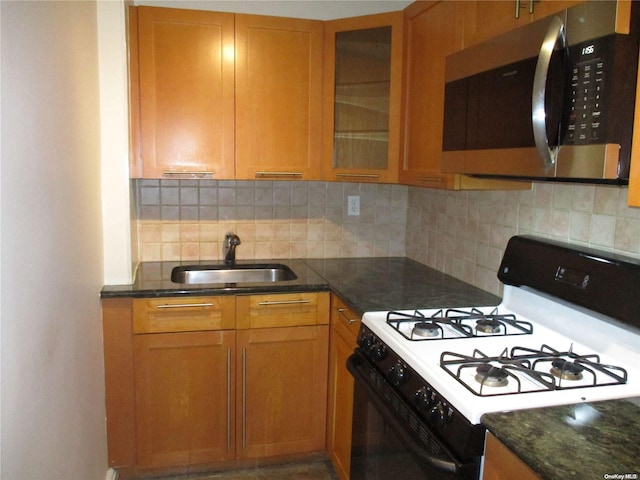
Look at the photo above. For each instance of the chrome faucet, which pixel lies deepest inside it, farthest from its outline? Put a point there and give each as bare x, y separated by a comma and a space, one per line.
231, 241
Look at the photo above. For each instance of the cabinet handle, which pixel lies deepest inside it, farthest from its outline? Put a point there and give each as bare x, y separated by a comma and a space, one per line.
350, 321
278, 174
284, 302
518, 7
244, 398
358, 175
228, 399
431, 179
193, 173
184, 305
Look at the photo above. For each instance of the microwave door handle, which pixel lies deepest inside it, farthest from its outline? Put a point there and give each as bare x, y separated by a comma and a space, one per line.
538, 112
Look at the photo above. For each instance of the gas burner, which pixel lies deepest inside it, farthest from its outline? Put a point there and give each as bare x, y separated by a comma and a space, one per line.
566, 370
488, 325
456, 323
426, 329
489, 376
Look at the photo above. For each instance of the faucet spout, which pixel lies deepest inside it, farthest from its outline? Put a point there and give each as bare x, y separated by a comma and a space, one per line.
231, 241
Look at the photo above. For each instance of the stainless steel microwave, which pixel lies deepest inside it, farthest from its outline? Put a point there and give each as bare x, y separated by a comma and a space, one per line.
551, 100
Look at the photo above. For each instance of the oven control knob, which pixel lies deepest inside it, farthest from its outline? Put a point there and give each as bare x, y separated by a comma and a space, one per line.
422, 399
398, 374
439, 414
378, 351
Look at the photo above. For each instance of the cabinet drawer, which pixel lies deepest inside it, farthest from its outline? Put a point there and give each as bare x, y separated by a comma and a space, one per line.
344, 320
282, 310
155, 315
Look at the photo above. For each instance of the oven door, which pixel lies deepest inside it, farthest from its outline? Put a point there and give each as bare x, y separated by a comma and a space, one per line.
388, 438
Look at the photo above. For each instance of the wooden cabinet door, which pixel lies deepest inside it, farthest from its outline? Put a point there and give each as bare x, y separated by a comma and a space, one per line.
278, 97
344, 330
487, 18
185, 408
500, 463
183, 314
545, 8
432, 31
186, 76
282, 310
362, 90
281, 391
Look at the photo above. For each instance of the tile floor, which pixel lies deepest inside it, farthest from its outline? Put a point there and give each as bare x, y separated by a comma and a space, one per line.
320, 469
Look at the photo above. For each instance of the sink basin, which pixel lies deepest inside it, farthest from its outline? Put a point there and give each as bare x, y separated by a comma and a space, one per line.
258, 273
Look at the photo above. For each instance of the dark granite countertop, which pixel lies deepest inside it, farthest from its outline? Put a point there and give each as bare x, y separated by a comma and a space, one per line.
586, 441
153, 279
365, 284
372, 284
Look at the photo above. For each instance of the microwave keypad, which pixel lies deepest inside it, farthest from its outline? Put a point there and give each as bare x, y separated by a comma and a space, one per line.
587, 83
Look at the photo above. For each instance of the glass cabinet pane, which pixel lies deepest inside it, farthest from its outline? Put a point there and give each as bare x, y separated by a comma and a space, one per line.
362, 92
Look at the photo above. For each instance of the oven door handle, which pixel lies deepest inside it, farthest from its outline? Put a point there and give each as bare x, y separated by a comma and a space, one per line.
439, 463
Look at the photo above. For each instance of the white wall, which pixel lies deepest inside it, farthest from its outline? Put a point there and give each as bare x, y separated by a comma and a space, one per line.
52, 386
116, 205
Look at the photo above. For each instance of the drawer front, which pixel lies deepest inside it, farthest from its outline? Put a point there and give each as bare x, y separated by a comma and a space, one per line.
282, 310
344, 320
156, 315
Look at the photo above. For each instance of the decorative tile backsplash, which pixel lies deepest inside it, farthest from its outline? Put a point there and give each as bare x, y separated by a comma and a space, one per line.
460, 233
187, 219
464, 233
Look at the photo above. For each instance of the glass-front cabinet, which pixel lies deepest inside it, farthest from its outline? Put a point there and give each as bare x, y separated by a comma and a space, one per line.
363, 67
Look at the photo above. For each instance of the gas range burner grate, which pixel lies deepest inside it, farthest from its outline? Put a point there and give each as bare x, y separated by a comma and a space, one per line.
526, 370
479, 374
569, 367
456, 323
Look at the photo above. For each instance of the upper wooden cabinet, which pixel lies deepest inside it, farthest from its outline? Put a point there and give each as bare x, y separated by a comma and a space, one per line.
186, 93
362, 88
633, 195
432, 32
484, 19
278, 97
225, 96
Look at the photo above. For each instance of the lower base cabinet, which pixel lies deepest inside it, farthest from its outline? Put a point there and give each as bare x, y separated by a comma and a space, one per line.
345, 325
282, 392
184, 407
500, 463
224, 390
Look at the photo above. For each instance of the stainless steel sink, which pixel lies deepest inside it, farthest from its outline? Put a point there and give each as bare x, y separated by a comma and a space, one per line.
255, 273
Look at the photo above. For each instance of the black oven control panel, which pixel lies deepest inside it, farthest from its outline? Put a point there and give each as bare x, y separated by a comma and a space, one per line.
434, 411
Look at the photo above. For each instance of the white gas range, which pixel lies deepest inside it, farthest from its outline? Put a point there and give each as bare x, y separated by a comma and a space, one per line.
514, 359
566, 332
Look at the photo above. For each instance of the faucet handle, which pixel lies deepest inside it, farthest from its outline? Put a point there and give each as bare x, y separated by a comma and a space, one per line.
232, 239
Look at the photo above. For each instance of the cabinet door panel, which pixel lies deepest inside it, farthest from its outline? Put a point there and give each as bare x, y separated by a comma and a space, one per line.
502, 464
344, 330
184, 401
186, 71
431, 34
281, 399
487, 18
362, 90
282, 310
183, 314
278, 97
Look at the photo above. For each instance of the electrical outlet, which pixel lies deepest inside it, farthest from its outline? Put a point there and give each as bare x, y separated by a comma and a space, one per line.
353, 205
